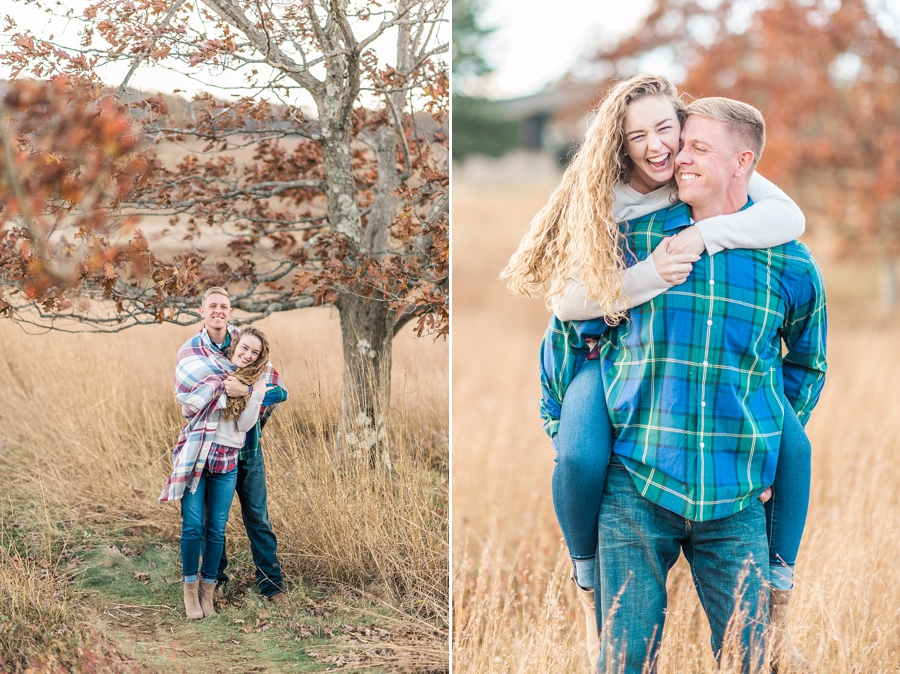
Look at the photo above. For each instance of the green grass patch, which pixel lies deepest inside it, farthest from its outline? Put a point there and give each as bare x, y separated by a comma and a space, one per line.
133, 588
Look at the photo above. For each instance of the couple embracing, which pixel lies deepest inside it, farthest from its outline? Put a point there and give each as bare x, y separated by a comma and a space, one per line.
685, 355
227, 389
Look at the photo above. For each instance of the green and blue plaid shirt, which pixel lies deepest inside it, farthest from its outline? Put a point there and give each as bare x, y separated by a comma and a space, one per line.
693, 377
274, 394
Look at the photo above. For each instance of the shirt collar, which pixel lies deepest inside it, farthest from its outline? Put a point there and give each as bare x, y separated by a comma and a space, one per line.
229, 334
679, 216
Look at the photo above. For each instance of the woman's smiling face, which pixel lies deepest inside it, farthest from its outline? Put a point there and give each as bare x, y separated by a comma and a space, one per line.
651, 141
247, 351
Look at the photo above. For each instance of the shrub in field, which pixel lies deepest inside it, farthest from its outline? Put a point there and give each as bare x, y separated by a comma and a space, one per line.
36, 616
41, 631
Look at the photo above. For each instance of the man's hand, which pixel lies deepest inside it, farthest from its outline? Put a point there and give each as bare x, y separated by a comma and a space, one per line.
766, 495
674, 269
688, 240
235, 388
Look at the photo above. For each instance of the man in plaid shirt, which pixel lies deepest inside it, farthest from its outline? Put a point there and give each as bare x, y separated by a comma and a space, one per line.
215, 308
692, 381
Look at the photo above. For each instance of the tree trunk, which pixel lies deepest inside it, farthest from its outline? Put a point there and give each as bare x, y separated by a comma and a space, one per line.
367, 334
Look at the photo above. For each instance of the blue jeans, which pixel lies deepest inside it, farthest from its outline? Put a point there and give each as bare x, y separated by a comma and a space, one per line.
251, 491
204, 515
583, 446
786, 510
640, 542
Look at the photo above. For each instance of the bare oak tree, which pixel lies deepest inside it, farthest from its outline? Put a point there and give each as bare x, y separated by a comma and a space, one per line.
345, 203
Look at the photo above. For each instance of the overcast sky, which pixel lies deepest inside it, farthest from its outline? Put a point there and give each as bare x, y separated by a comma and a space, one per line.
537, 42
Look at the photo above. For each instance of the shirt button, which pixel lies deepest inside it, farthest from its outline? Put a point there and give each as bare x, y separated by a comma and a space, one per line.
705, 363
709, 322
702, 445
703, 404
712, 283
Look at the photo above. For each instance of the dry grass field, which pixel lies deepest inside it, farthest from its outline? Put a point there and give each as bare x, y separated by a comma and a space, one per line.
86, 430
514, 610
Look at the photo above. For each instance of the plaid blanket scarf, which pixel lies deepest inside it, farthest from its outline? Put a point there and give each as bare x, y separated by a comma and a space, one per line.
200, 371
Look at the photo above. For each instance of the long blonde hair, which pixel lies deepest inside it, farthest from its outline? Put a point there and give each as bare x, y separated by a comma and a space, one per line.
576, 234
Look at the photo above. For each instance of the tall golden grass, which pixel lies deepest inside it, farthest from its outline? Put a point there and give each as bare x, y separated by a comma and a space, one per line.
88, 423
514, 609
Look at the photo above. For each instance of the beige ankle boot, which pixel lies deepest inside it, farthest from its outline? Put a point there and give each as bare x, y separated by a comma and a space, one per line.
192, 601
586, 598
785, 656
207, 595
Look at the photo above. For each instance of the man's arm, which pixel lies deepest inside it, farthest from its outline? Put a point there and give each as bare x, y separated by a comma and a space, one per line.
274, 395
804, 333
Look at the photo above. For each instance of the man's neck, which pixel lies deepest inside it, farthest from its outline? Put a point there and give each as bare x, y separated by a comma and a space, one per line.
217, 336
725, 204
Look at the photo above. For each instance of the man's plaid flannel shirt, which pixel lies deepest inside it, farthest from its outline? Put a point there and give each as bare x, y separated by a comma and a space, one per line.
274, 395
692, 377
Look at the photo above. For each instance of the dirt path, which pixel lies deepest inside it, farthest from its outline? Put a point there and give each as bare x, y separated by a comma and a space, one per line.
131, 593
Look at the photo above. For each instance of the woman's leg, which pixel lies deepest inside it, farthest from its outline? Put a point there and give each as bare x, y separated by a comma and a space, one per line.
785, 520
192, 507
219, 495
583, 445
786, 510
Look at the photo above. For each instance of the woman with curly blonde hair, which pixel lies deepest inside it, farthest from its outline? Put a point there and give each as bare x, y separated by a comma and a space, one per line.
576, 248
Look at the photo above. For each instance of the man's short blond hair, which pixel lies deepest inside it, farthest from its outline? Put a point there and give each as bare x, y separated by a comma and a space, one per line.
743, 122
214, 291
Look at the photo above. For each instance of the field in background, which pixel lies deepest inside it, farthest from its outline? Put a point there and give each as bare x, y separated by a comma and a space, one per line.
514, 608
86, 432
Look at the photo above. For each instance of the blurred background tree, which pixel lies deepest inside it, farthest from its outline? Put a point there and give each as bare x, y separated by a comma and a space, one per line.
478, 124
468, 43
826, 75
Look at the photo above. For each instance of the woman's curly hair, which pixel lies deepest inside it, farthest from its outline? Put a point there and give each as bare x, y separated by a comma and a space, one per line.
246, 375
576, 234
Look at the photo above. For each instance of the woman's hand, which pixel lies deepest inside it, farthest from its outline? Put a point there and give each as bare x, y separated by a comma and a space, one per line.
259, 385
674, 269
688, 240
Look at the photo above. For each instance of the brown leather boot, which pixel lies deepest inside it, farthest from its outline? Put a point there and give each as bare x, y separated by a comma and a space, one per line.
207, 595
785, 656
192, 601
586, 598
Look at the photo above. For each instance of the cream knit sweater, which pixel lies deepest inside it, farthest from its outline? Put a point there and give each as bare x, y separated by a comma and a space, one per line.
772, 220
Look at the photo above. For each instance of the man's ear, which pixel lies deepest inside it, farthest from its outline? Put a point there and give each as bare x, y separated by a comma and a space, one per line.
745, 162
